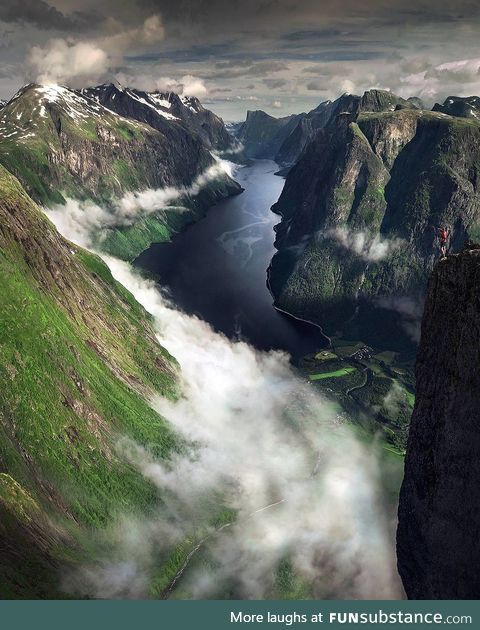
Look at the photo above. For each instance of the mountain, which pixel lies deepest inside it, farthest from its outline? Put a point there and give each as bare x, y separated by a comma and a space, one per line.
437, 539
306, 127
357, 241
384, 101
465, 107
155, 108
78, 360
63, 143
283, 139
262, 135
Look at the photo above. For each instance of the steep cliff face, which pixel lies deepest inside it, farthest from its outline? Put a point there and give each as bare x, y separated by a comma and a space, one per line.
407, 171
308, 124
437, 540
78, 359
284, 139
262, 135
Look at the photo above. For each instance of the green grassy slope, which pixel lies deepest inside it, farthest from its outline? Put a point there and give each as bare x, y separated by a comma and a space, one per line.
77, 358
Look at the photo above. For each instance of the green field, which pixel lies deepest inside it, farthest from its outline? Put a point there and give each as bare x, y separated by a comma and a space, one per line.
342, 372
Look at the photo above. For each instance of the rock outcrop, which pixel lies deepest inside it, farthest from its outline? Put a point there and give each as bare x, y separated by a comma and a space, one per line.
437, 542
463, 106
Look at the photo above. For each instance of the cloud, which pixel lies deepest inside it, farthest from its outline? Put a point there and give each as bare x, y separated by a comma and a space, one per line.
370, 248
186, 85
276, 104
153, 30
411, 312
465, 71
302, 486
312, 69
272, 41
86, 221
235, 69
63, 60
264, 445
192, 86
219, 90
42, 15
274, 83
395, 401
438, 81
335, 79
316, 85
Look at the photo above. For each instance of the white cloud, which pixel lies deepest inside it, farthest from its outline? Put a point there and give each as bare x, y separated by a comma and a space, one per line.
302, 484
85, 220
368, 247
186, 85
192, 86
63, 60
429, 81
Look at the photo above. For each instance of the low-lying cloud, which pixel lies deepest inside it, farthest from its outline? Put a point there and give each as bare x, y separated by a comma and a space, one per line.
370, 248
265, 445
303, 487
186, 85
85, 221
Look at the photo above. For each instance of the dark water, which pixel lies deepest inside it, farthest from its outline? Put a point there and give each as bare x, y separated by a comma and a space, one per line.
216, 269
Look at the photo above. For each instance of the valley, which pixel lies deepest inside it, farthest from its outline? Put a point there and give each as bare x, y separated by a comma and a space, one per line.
217, 268
229, 353
239, 311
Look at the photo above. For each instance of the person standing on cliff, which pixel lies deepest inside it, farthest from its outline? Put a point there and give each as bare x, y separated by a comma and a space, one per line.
444, 234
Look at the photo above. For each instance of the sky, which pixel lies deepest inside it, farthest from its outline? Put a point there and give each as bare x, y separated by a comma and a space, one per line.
282, 56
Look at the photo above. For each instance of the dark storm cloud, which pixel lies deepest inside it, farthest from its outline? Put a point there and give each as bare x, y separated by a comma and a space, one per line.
274, 83
325, 16
234, 63
312, 35
207, 53
249, 69
43, 15
182, 55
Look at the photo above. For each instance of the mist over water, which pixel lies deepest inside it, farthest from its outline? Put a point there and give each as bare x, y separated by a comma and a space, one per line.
298, 483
